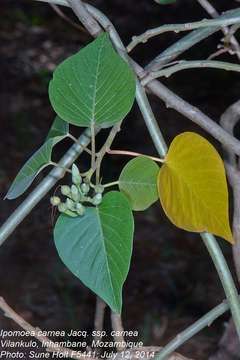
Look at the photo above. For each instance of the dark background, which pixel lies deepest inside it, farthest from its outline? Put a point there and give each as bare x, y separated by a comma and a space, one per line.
172, 281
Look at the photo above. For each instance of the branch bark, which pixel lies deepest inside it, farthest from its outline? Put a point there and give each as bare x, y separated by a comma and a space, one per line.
185, 43
195, 64
144, 37
45, 341
229, 346
182, 337
226, 31
85, 17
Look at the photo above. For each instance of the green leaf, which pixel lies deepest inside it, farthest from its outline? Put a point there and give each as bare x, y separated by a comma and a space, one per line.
94, 85
138, 180
192, 186
39, 160
58, 128
97, 246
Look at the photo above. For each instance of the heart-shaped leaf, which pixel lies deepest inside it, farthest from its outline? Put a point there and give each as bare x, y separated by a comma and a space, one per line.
37, 162
138, 180
58, 128
94, 85
193, 188
97, 246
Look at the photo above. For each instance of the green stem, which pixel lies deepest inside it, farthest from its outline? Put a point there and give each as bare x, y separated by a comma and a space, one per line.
77, 142
93, 145
132, 153
225, 277
192, 330
111, 184
115, 129
60, 166
183, 65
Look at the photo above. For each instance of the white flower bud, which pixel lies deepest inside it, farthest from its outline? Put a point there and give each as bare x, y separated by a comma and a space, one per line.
65, 190
55, 200
76, 177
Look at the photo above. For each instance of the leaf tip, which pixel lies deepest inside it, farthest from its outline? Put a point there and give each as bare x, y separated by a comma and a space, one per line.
230, 238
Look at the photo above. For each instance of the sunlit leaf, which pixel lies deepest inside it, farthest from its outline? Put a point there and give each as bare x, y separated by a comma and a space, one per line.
94, 85
58, 128
97, 246
138, 180
37, 162
193, 188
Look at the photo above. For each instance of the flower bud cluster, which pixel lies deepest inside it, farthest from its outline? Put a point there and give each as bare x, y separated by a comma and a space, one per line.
79, 193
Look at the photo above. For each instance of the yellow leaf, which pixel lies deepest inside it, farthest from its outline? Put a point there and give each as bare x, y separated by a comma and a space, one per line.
192, 186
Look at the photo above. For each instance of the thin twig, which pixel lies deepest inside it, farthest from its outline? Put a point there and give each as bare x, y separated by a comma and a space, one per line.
226, 31
113, 183
132, 153
180, 27
209, 8
225, 277
115, 129
63, 16
93, 145
196, 64
77, 142
86, 19
37, 334
185, 43
217, 53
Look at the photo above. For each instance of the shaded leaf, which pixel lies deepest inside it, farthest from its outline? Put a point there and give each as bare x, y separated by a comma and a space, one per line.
138, 180
97, 246
39, 160
94, 85
193, 188
58, 128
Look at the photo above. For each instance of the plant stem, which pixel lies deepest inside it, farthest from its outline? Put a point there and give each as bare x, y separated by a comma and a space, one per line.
225, 277
83, 15
60, 166
192, 330
182, 65
93, 145
111, 184
117, 326
77, 142
234, 19
226, 31
185, 43
99, 317
48, 344
115, 129
67, 19
132, 153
